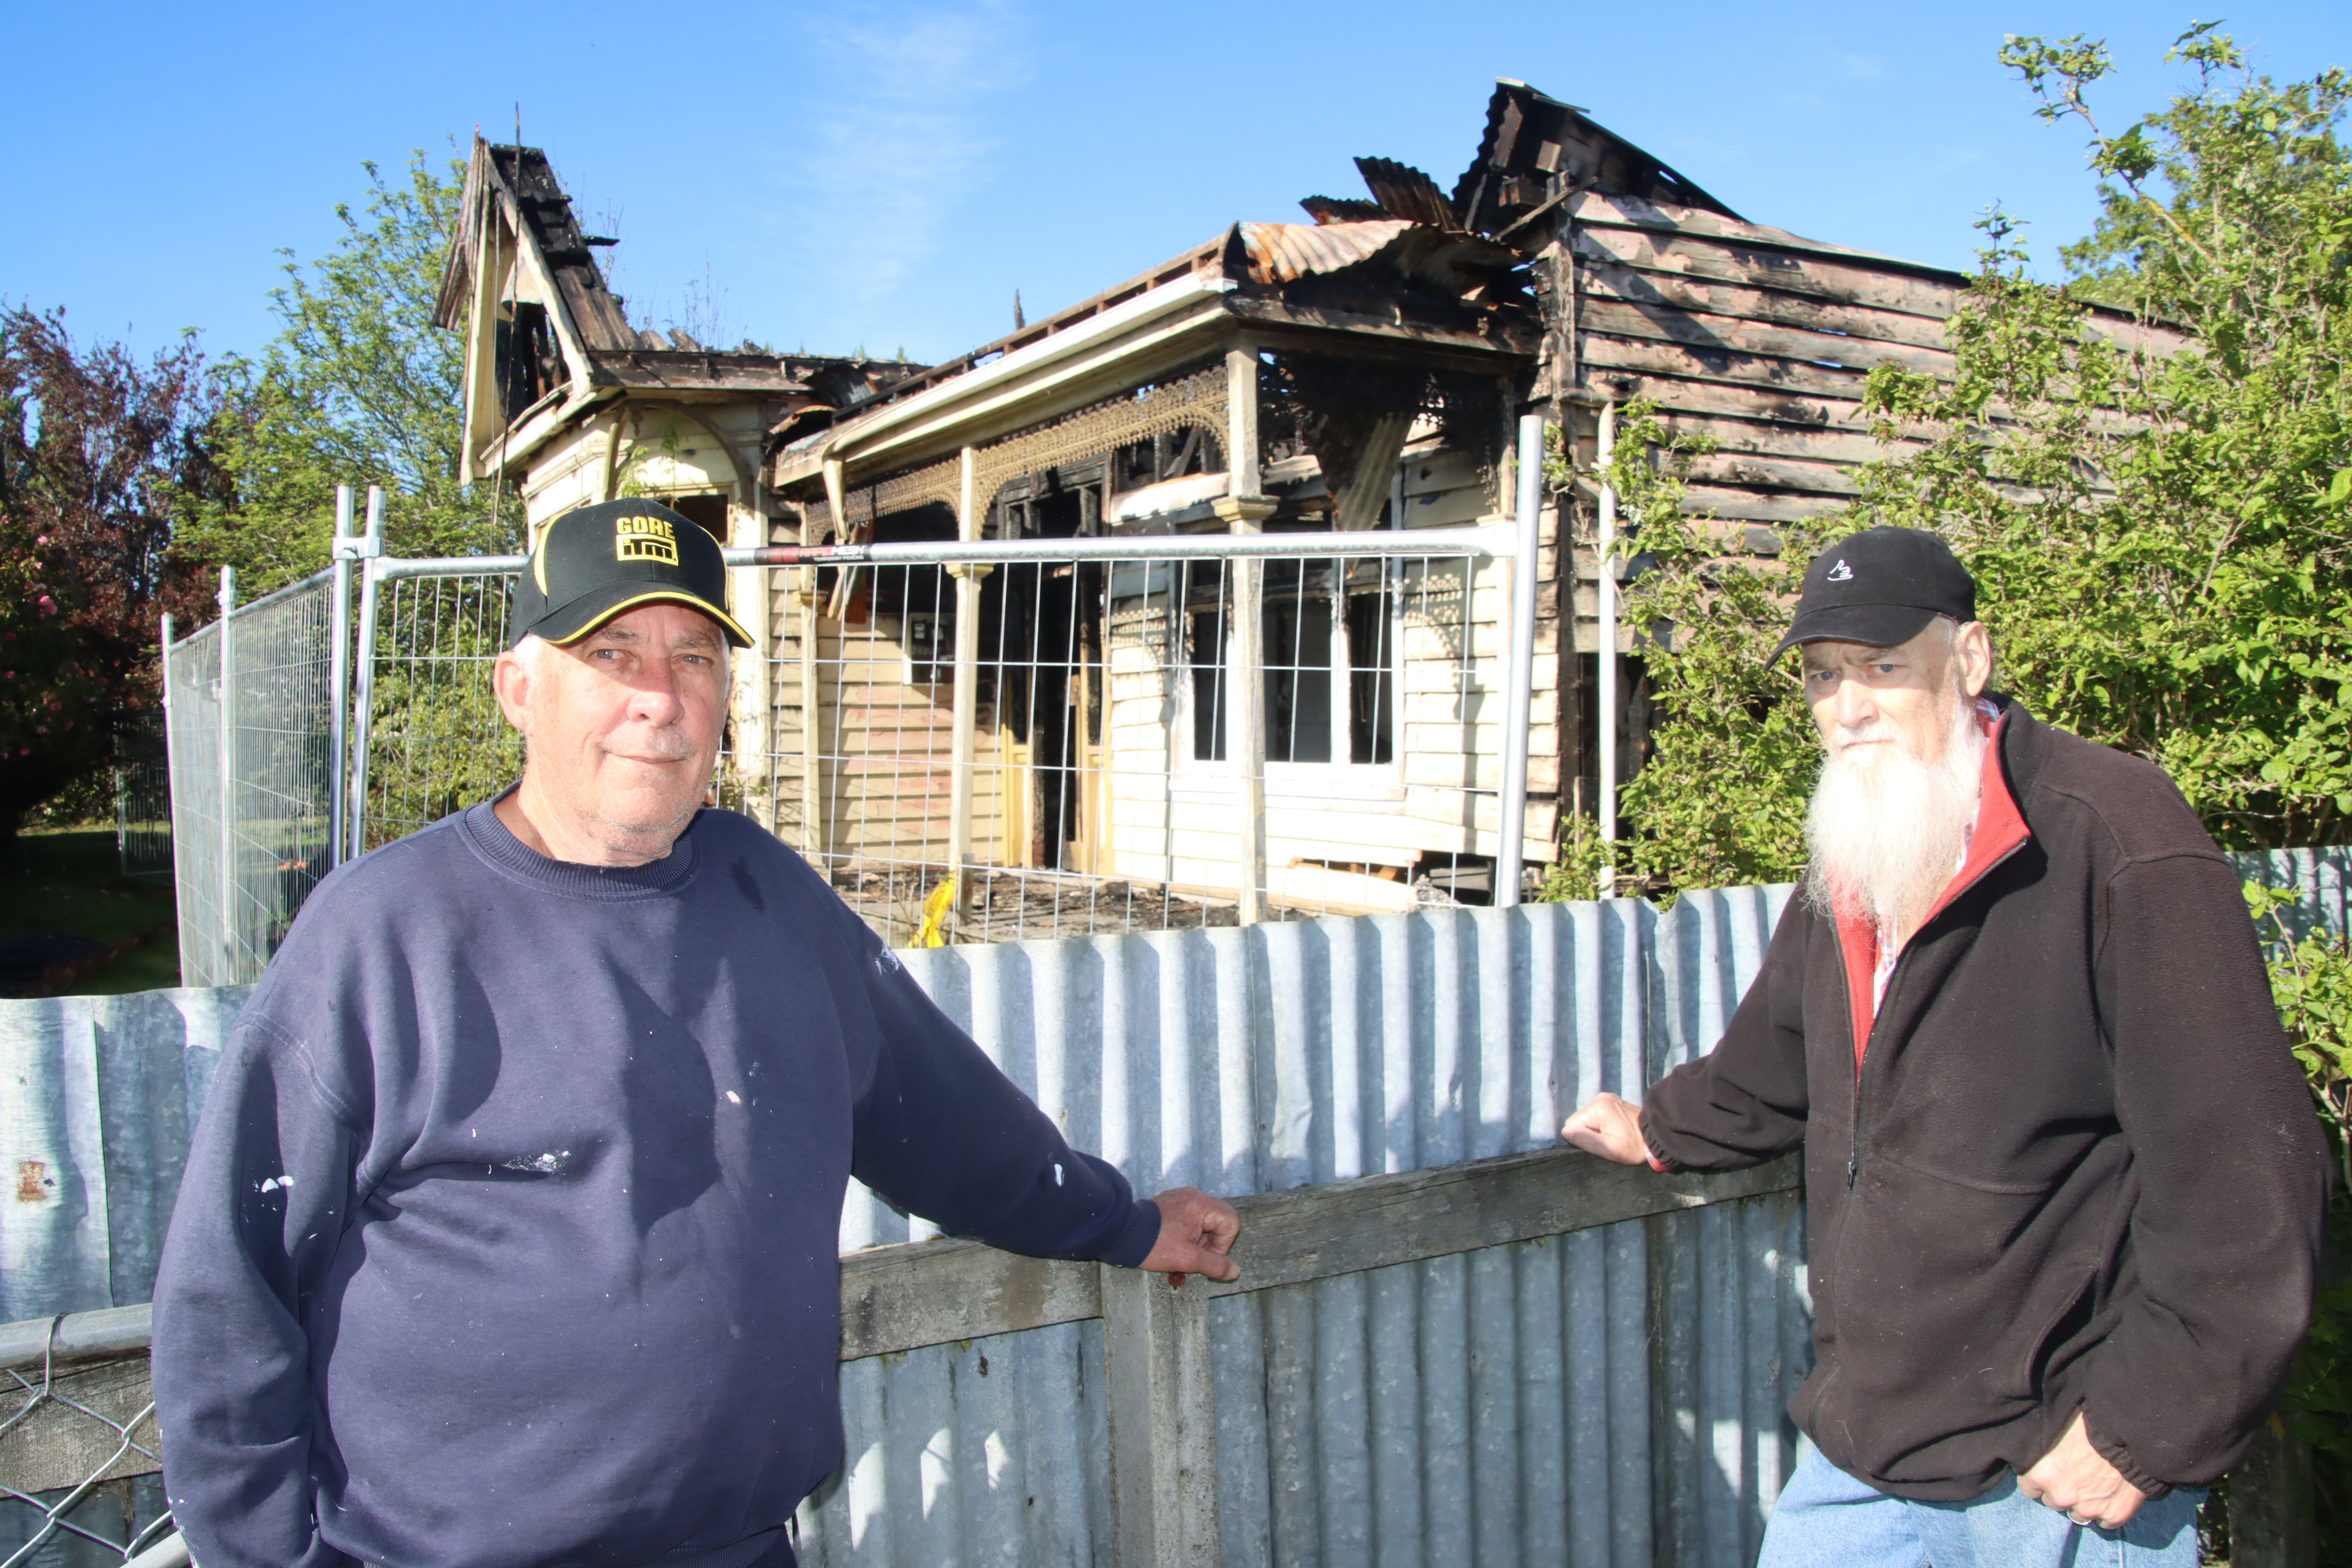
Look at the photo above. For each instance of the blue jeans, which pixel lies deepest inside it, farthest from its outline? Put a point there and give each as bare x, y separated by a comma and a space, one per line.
1826, 1519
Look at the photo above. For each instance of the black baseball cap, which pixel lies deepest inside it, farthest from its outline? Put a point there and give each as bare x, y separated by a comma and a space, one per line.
1880, 587
597, 561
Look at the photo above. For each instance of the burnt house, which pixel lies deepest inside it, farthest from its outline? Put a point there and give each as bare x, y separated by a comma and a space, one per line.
1359, 369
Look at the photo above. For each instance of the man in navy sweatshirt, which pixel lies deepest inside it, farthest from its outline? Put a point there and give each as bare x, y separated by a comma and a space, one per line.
508, 1233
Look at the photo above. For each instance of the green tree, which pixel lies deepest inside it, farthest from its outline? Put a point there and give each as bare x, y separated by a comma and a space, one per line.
97, 453
357, 388
2160, 536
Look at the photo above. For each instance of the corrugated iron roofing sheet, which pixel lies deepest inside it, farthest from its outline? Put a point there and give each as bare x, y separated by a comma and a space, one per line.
1283, 252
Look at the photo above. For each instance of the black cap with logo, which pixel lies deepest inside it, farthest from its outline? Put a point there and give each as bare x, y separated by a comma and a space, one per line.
597, 561
1880, 587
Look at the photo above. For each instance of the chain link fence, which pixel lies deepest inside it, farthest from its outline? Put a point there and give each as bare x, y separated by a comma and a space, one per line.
247, 702
79, 1439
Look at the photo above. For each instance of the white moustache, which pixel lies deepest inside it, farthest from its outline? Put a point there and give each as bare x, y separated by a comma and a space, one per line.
1863, 733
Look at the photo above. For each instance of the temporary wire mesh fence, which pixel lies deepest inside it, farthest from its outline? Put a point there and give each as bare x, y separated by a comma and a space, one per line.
432, 741
143, 799
1116, 699
82, 1438
252, 788
1107, 789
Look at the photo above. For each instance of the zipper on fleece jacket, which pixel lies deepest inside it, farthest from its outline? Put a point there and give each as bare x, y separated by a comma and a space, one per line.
1894, 980
2000, 832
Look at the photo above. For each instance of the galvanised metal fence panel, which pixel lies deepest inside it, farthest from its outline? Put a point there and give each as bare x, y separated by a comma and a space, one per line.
191, 721
142, 818
282, 787
432, 740
978, 741
1498, 1407
251, 785
142, 797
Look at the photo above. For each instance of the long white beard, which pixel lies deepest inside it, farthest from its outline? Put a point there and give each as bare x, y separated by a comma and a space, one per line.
1887, 828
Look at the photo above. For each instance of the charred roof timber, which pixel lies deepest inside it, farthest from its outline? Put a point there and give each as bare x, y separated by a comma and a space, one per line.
1535, 147
553, 342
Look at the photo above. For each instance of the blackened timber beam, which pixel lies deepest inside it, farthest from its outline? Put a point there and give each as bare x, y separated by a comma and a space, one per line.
1506, 338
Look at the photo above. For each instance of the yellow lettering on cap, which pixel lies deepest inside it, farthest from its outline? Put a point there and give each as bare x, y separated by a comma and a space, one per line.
644, 539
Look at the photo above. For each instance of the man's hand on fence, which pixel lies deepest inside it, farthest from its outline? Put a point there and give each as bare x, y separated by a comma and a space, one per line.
1608, 1127
1196, 1231
2077, 1480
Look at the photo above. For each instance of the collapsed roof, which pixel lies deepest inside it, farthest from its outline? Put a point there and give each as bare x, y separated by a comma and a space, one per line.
1440, 260
548, 336
549, 339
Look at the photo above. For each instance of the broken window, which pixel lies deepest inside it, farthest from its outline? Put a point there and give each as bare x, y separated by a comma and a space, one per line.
529, 367
708, 511
1173, 454
1328, 647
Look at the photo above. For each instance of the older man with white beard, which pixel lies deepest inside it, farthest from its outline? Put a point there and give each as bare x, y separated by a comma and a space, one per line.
2065, 1186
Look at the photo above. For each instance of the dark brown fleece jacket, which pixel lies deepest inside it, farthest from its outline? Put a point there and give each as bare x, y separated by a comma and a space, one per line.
2076, 1169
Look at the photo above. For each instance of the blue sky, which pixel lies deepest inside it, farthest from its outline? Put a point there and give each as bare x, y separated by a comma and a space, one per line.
882, 177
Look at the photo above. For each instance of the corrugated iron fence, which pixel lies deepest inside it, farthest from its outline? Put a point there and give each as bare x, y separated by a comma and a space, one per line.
1607, 1396
1584, 1392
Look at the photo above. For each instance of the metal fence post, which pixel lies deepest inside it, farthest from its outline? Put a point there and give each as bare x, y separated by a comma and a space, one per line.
371, 550
339, 676
225, 974
1162, 1419
1606, 543
965, 714
163, 674
1518, 687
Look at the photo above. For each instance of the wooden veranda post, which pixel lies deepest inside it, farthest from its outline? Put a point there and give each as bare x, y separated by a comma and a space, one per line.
813, 825
1244, 509
753, 696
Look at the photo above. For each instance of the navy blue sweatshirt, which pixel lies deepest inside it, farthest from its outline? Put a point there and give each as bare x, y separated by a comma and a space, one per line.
509, 1236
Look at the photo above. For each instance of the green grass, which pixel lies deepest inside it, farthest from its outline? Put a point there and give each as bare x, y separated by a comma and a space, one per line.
56, 879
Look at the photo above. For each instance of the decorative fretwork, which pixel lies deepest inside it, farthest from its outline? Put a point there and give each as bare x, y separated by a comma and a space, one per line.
1124, 420
940, 482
